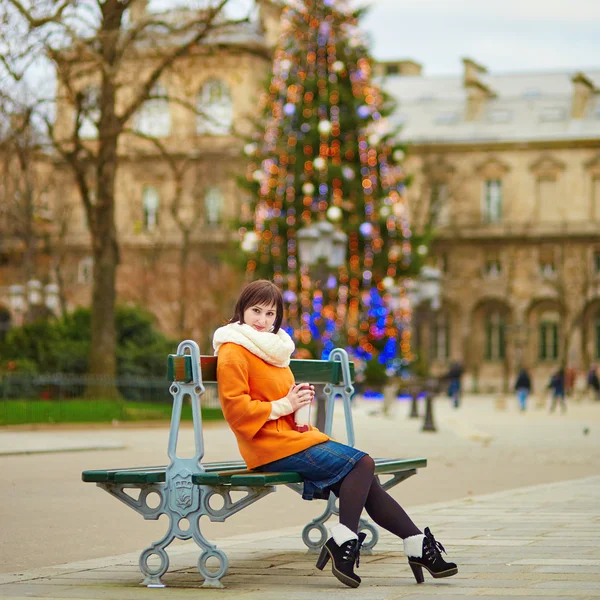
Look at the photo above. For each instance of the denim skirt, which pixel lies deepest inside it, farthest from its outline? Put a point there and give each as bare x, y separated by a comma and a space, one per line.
321, 466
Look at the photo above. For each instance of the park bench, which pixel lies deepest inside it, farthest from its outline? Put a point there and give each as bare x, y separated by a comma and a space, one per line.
185, 487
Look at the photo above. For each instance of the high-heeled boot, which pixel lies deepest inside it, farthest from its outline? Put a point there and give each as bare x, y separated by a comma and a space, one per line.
344, 550
426, 551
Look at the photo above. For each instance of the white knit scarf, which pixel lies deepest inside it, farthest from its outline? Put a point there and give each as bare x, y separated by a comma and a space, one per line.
274, 348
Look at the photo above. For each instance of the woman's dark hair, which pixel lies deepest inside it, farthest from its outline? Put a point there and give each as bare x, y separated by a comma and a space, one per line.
261, 292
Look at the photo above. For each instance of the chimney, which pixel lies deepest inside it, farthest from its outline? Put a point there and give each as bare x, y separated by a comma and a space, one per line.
137, 10
583, 89
404, 68
472, 70
478, 93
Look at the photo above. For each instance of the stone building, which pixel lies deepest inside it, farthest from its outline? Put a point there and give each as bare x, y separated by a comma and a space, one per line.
507, 172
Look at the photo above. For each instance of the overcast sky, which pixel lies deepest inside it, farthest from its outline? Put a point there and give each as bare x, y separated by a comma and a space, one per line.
503, 35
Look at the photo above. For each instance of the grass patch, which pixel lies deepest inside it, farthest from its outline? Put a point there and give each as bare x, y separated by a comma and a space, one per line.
20, 412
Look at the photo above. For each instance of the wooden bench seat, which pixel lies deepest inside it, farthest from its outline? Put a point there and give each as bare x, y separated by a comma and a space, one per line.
234, 473
186, 485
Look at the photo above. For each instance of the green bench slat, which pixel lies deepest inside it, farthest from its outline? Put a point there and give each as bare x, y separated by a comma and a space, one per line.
150, 474
179, 368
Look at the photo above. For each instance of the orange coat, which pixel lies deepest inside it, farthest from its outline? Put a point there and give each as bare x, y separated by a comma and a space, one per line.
247, 386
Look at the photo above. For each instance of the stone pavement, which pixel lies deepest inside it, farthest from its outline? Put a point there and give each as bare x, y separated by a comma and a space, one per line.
541, 541
42, 442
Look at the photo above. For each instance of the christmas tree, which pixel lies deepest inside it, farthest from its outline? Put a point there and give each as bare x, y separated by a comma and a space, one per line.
326, 181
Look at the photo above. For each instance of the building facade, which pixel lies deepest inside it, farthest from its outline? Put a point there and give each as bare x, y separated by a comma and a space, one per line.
506, 172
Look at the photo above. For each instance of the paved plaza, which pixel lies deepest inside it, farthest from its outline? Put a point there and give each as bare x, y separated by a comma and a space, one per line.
539, 540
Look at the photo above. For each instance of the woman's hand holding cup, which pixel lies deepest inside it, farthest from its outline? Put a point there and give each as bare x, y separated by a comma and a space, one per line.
300, 395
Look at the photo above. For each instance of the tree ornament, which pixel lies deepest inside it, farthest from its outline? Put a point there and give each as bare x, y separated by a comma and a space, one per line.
319, 163
348, 173
334, 213
250, 149
308, 188
258, 175
363, 111
366, 229
388, 282
250, 242
398, 155
289, 109
384, 211
338, 66
324, 126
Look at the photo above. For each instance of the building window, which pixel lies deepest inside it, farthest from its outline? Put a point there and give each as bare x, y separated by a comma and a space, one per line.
213, 205
215, 108
440, 337
548, 336
495, 347
492, 201
90, 113
492, 266
547, 262
151, 203
85, 270
447, 117
596, 263
440, 208
596, 198
550, 114
154, 117
392, 69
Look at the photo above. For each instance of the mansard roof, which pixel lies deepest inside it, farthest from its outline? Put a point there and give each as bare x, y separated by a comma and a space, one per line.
528, 106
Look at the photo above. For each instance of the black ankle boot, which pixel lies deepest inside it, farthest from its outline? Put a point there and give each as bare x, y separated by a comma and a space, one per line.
343, 559
425, 551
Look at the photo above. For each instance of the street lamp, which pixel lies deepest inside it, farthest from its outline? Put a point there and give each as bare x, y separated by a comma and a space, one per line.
24, 297
323, 246
321, 242
426, 289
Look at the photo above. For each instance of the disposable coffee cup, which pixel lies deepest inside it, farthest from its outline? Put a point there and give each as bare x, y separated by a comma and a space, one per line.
302, 417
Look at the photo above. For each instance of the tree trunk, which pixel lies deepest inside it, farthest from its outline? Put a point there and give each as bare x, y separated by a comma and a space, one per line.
183, 263
105, 245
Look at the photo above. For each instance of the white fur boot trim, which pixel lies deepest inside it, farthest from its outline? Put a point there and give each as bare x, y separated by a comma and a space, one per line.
413, 546
341, 534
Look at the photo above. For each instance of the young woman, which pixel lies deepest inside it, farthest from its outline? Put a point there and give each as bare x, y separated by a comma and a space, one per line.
259, 398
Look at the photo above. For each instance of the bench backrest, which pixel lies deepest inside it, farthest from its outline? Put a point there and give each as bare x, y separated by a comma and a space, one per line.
179, 369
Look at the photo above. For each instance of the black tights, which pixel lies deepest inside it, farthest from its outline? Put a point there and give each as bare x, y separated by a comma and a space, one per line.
361, 489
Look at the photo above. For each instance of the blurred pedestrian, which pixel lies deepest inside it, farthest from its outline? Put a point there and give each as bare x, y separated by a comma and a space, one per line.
453, 376
523, 388
593, 383
557, 385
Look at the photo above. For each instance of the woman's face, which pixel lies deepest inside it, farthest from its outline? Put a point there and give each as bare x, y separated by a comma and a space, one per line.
260, 316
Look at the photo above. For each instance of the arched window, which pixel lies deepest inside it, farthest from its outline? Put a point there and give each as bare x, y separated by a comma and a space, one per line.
90, 113
215, 108
151, 204
548, 346
440, 337
154, 116
213, 205
495, 343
